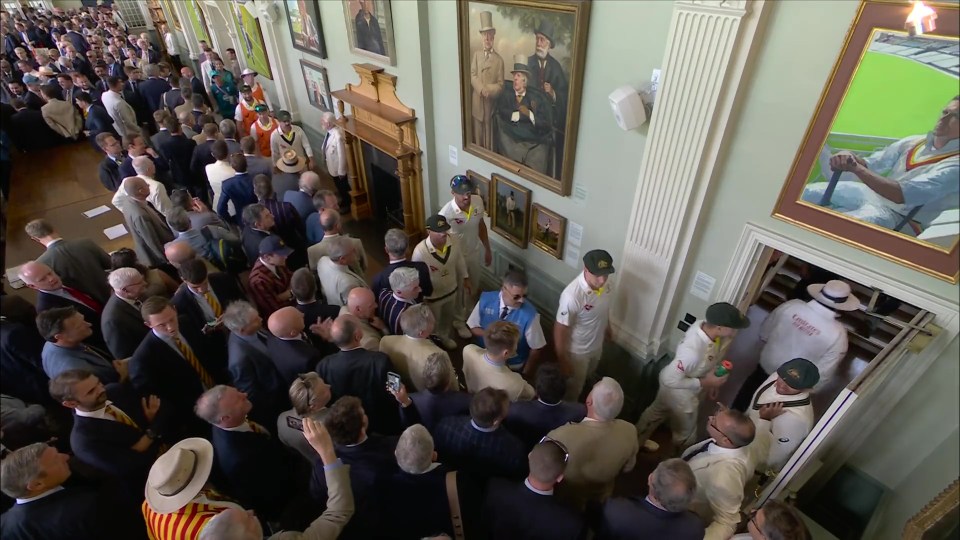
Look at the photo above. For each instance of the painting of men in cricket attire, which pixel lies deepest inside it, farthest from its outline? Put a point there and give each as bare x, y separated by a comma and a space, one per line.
521, 76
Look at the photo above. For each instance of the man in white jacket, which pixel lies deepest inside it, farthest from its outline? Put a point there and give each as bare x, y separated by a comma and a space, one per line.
335, 157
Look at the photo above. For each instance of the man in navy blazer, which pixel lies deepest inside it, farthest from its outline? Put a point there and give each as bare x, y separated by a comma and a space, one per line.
254, 463
663, 513
153, 88
122, 326
395, 244
20, 348
114, 430
355, 371
289, 348
195, 83
173, 364
95, 119
179, 151
202, 298
439, 399
76, 39
531, 420
54, 503
371, 459
251, 370
528, 509
238, 189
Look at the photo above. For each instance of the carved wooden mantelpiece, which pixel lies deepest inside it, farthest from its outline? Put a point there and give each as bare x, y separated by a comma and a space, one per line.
378, 118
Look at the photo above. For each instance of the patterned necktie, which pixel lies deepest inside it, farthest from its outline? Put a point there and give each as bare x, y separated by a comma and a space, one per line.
257, 428
703, 448
121, 416
84, 299
504, 312
191, 358
214, 305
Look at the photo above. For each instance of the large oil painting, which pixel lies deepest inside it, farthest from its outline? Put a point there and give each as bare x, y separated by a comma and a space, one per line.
251, 49
306, 31
370, 29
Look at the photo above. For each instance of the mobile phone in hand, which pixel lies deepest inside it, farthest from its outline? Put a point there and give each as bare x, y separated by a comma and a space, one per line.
295, 423
393, 381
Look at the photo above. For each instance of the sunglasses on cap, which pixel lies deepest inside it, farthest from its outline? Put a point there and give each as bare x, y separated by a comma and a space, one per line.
560, 445
459, 180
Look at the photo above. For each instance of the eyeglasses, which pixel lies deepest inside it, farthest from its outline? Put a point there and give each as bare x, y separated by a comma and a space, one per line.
515, 297
560, 445
459, 180
713, 423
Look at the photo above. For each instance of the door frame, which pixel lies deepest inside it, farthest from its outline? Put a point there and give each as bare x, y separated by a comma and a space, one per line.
749, 262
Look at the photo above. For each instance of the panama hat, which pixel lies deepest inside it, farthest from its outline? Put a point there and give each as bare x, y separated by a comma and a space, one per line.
248, 71
290, 162
178, 475
834, 294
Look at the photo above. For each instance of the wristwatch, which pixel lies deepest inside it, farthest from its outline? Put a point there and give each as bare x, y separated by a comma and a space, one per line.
151, 434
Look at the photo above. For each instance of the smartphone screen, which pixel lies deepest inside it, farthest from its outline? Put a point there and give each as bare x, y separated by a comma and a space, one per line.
393, 381
295, 423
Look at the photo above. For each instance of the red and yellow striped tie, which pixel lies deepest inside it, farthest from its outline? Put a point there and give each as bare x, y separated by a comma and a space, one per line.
121, 416
214, 305
187, 353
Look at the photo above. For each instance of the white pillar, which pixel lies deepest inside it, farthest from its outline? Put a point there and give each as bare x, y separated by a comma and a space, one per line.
708, 46
274, 48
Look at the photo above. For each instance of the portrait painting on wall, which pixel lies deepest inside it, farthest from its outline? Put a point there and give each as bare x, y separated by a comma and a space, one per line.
879, 166
370, 29
521, 75
172, 15
510, 210
303, 18
548, 231
317, 84
483, 189
251, 49
197, 20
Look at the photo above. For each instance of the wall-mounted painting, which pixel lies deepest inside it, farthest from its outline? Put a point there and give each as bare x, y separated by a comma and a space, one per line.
521, 76
318, 86
303, 18
197, 20
483, 189
370, 29
251, 49
548, 230
172, 15
878, 167
510, 210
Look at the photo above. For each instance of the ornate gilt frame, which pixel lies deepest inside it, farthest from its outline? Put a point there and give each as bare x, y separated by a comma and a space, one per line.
935, 515
924, 257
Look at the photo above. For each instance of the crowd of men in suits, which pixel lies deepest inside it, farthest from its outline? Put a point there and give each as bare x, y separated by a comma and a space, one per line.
243, 358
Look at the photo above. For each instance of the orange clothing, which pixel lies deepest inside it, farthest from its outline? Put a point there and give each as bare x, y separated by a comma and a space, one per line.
184, 524
258, 93
262, 135
247, 114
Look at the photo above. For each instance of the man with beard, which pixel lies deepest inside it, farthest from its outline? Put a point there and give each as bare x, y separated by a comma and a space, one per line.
547, 76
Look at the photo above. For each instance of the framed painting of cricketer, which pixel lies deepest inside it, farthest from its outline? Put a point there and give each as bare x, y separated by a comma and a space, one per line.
521, 77
510, 210
317, 84
250, 39
548, 230
370, 29
483, 189
879, 164
303, 18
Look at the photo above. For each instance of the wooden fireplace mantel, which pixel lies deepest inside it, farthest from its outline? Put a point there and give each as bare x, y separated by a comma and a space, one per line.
378, 117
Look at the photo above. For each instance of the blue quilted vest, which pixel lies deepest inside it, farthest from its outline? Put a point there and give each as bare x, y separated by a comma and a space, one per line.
522, 317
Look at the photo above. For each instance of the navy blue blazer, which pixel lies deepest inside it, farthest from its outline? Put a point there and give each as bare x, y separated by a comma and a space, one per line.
416, 505
257, 469
47, 301
634, 518
531, 420
372, 463
225, 288
363, 374
312, 312
250, 240
97, 122
110, 174
76, 513
201, 158
179, 151
122, 327
429, 408
483, 454
152, 90
382, 280
253, 373
513, 511
21, 372
238, 189
78, 41
293, 357
106, 444
301, 201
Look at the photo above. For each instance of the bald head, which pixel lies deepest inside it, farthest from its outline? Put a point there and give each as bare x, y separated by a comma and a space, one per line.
346, 332
286, 322
39, 276
361, 302
178, 253
136, 188
309, 182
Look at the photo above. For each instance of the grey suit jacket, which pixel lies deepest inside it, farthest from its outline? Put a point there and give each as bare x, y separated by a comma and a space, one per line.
149, 233
81, 264
259, 165
56, 360
122, 327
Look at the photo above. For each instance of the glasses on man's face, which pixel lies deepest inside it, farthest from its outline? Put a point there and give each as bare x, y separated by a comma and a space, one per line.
560, 445
713, 423
515, 297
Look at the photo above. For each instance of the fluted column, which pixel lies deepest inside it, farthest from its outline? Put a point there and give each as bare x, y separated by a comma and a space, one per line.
708, 45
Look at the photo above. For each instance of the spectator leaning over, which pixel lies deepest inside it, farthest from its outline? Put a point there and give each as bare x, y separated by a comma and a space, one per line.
409, 351
309, 396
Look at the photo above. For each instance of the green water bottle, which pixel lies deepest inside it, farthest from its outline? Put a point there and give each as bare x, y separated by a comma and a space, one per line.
723, 368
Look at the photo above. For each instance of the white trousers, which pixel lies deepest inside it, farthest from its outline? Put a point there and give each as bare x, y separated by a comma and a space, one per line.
444, 313
583, 366
679, 409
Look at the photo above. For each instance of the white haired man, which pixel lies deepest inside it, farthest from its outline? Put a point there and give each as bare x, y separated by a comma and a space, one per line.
409, 351
335, 158
336, 277
402, 294
120, 322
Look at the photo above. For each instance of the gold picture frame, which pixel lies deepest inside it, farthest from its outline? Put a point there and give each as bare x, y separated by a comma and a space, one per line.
938, 518
483, 189
548, 230
510, 219
528, 128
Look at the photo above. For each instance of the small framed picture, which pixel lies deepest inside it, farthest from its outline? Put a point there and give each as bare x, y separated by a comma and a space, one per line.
510, 210
548, 230
318, 86
483, 189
